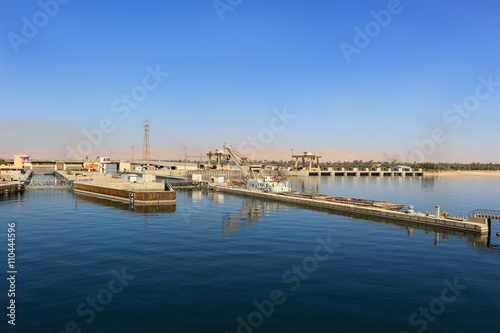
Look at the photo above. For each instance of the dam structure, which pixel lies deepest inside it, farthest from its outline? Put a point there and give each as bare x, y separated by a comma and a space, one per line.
396, 171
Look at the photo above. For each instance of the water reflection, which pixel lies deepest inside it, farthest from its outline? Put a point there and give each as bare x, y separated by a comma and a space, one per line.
337, 185
250, 213
304, 184
492, 250
428, 182
196, 197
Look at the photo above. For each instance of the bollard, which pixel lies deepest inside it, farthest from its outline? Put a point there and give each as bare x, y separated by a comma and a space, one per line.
438, 211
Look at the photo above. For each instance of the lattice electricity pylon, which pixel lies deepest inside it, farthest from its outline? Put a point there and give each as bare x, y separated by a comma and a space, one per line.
145, 147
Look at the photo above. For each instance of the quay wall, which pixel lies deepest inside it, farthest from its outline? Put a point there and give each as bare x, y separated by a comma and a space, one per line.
11, 187
478, 226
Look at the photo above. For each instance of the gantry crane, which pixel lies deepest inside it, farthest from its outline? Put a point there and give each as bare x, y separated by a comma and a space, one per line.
308, 156
219, 155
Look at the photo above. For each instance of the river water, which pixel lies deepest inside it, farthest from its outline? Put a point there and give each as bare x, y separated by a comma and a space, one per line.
224, 263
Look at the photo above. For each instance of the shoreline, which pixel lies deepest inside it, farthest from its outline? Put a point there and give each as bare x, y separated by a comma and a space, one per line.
467, 173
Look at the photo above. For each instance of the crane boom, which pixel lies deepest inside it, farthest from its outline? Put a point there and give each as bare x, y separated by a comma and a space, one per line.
238, 159
95, 159
90, 165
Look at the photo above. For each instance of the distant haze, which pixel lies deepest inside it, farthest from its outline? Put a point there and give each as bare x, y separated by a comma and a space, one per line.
194, 155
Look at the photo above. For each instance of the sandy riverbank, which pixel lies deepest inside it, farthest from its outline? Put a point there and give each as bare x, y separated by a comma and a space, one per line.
463, 174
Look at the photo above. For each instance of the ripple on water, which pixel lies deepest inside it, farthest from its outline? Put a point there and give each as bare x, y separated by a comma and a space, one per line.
203, 266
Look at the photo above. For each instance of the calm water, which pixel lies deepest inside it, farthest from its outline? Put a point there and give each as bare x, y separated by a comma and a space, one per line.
214, 263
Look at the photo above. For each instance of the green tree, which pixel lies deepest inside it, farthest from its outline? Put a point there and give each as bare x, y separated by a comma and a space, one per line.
428, 166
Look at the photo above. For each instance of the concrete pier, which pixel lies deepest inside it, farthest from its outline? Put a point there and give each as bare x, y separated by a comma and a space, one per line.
474, 225
15, 186
136, 195
11, 187
118, 189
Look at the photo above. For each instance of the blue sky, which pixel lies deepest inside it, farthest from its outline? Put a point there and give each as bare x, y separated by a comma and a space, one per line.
225, 77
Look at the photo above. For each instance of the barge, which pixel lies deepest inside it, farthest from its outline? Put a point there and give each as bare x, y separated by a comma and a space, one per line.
119, 189
137, 194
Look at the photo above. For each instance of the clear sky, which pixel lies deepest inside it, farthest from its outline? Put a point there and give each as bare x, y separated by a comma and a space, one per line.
379, 76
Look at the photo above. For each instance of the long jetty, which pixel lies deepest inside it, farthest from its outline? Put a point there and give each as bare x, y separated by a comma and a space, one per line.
475, 224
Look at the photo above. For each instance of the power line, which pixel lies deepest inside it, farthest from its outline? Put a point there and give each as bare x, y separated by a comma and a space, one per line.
145, 147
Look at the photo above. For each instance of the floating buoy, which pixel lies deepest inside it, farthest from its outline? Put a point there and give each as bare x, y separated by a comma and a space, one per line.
498, 234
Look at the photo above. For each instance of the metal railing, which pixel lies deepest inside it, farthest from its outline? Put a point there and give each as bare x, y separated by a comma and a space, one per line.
45, 182
486, 213
456, 215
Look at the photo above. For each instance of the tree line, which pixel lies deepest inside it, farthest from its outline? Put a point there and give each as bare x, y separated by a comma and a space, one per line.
431, 166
